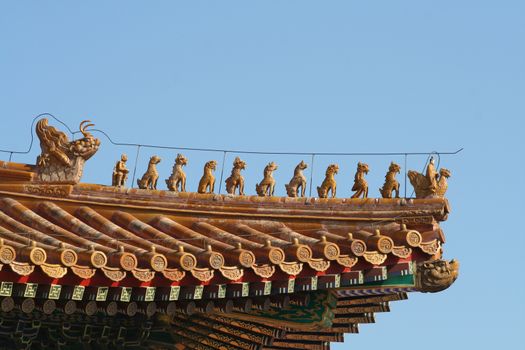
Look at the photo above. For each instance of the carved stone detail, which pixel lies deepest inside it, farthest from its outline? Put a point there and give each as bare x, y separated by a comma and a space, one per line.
435, 276
61, 160
264, 271
207, 181
267, 185
231, 272
291, 268
417, 220
114, 274
83, 272
151, 176
173, 274
375, 258
54, 270
298, 180
329, 183
391, 184
177, 180
360, 185
49, 190
203, 275
431, 184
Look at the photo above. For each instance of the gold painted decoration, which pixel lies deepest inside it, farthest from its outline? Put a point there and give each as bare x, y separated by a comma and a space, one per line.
329, 184
375, 258
346, 261
298, 181
236, 180
291, 268
177, 180
78, 293
202, 274
83, 272
264, 271
207, 181
173, 274
54, 270
7, 253
431, 248
61, 160
232, 273
113, 273
401, 251
267, 186
319, 264
360, 185
144, 275
120, 172
54, 292
391, 184
151, 176
6, 289
23, 269
49, 190
37, 255
431, 184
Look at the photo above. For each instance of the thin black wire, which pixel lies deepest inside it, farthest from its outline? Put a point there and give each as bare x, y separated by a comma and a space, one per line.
272, 152
221, 150
33, 137
311, 175
135, 166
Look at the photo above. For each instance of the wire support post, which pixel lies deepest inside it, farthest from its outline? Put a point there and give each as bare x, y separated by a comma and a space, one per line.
135, 166
311, 176
222, 170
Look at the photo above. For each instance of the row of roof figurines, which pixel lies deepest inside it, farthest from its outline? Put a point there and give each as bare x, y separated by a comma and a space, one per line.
430, 184
62, 161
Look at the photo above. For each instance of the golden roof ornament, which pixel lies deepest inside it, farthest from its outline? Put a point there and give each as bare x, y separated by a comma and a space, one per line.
391, 184
120, 172
298, 180
360, 185
207, 181
151, 176
329, 183
177, 180
267, 185
236, 181
431, 184
62, 161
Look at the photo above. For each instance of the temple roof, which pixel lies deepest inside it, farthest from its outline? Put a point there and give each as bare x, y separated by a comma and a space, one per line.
204, 270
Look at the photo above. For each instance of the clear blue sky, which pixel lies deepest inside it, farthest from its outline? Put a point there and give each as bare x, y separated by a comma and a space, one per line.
340, 76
